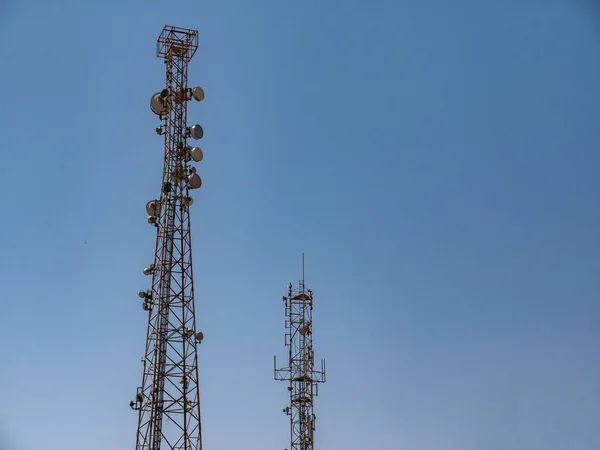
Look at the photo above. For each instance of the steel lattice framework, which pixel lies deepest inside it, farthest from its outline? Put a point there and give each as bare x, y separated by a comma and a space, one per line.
168, 400
300, 373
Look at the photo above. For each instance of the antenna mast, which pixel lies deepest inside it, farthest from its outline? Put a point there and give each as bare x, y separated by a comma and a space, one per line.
300, 373
168, 401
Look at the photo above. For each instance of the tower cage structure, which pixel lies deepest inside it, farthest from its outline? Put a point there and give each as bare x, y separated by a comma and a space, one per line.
168, 400
300, 373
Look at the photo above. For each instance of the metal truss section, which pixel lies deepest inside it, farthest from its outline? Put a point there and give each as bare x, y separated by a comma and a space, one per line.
168, 401
300, 372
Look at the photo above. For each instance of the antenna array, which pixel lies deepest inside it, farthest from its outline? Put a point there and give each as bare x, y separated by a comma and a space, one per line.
300, 373
168, 401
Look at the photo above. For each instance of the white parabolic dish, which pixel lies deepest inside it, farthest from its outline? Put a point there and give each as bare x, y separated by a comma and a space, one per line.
196, 154
158, 105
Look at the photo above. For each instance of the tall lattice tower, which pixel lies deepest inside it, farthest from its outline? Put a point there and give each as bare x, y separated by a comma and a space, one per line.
168, 400
300, 373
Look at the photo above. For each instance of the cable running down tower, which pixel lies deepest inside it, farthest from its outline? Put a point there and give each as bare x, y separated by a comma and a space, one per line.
168, 401
300, 373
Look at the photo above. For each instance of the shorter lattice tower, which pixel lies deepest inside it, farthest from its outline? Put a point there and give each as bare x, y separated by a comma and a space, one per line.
300, 373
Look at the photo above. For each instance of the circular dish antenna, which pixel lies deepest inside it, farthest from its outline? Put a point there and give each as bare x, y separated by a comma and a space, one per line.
158, 105
142, 294
196, 154
199, 336
187, 201
196, 131
198, 93
194, 181
153, 208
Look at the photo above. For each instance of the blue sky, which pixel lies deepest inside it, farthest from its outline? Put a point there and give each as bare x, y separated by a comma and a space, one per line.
436, 161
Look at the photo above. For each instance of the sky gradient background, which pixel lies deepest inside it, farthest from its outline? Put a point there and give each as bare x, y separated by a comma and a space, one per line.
436, 161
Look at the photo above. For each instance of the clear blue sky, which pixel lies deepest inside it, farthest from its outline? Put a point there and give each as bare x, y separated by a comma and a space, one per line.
436, 161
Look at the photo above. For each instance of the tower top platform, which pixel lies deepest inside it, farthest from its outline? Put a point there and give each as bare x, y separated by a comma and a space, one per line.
177, 42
